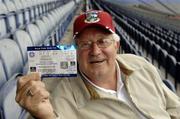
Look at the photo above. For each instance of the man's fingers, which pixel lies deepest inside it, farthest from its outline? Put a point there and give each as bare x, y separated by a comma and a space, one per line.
32, 95
31, 86
24, 79
31, 101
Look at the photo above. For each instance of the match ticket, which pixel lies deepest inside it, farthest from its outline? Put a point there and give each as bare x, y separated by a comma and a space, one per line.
53, 61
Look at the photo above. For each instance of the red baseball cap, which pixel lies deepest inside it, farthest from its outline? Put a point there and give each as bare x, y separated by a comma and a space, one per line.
93, 18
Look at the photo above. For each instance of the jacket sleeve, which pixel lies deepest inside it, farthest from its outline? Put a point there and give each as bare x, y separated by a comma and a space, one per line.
172, 102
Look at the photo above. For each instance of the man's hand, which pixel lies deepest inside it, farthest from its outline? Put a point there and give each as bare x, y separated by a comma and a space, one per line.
32, 96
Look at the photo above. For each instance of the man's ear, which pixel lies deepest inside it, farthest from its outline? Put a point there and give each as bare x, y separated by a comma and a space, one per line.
117, 40
117, 46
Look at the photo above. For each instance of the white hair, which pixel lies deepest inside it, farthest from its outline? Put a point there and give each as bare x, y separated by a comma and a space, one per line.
116, 37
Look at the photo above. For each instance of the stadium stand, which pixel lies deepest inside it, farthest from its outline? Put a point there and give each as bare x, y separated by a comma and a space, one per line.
27, 23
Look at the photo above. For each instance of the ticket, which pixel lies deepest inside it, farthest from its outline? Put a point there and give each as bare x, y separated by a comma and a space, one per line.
53, 61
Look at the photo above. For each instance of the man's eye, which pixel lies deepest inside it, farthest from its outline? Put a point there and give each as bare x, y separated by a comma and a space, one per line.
103, 41
85, 45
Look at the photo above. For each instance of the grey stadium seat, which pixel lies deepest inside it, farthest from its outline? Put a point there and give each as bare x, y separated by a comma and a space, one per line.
9, 109
11, 16
34, 33
3, 26
42, 27
23, 40
2, 74
11, 57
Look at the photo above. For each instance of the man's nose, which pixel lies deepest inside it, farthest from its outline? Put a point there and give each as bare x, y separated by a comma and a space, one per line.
95, 50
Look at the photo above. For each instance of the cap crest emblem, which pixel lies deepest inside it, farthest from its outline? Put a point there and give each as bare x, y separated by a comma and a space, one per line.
92, 17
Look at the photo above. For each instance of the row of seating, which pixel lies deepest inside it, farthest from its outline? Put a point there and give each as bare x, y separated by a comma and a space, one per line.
136, 30
47, 29
18, 13
40, 32
165, 54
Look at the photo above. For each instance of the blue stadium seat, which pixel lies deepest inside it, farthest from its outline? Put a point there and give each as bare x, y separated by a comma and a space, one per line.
11, 57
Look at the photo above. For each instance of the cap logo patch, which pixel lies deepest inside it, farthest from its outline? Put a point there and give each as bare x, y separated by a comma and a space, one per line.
92, 17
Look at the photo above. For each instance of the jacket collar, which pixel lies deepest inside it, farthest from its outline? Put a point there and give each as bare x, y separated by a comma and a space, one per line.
125, 67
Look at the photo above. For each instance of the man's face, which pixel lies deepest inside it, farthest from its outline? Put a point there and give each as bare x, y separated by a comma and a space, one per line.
94, 61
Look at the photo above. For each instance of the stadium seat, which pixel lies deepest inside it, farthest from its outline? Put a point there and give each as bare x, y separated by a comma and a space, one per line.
56, 16
167, 46
47, 22
26, 15
9, 109
23, 40
177, 78
34, 33
3, 23
52, 20
2, 74
161, 42
174, 42
170, 85
11, 16
11, 57
148, 47
155, 52
144, 41
42, 27
173, 50
178, 55
41, 12
36, 12
157, 39
162, 58
170, 65
19, 13
32, 14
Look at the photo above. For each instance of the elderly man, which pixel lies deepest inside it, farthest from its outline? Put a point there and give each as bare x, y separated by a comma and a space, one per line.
108, 86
